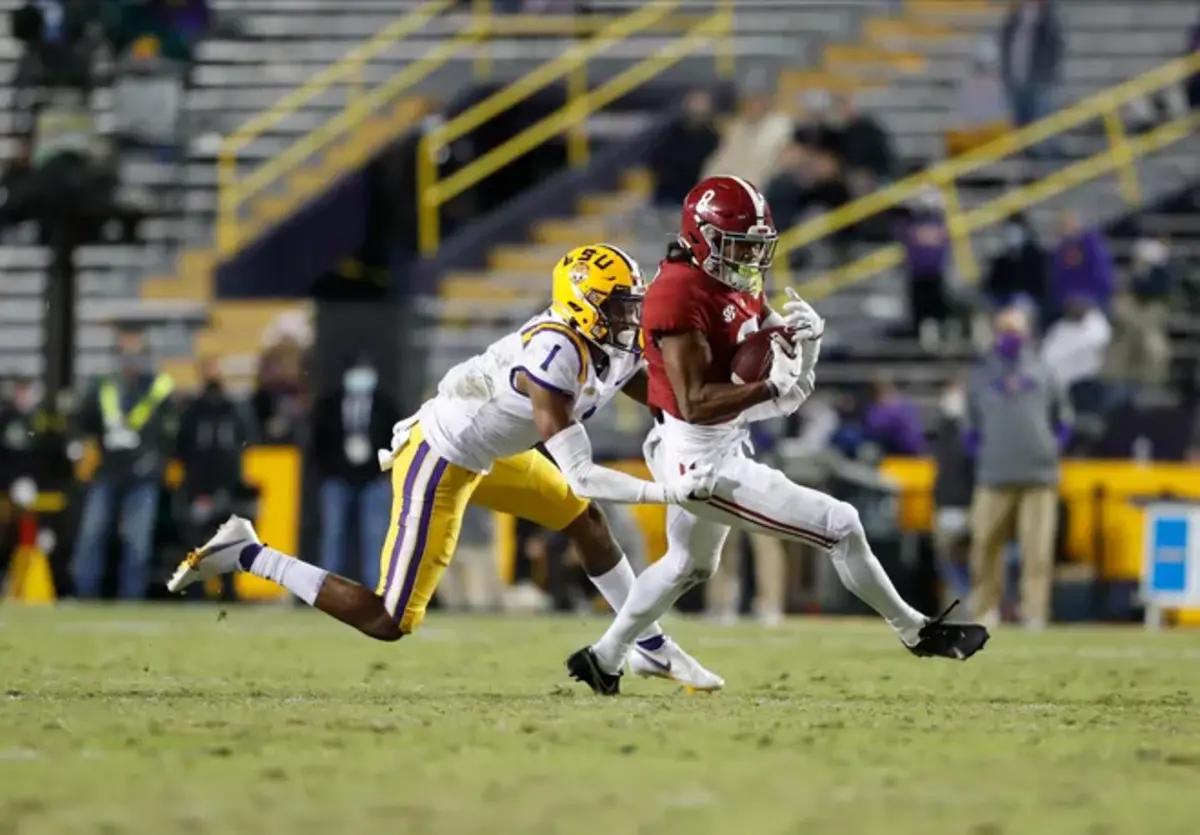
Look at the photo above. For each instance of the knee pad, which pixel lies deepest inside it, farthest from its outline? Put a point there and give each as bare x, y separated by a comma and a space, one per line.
844, 520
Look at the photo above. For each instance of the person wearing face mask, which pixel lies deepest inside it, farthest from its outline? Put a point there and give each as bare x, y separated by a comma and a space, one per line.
1017, 423
349, 425
132, 419
952, 488
213, 431
1018, 270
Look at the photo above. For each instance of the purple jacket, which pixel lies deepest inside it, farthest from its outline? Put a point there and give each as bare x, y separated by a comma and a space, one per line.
1082, 266
896, 426
926, 244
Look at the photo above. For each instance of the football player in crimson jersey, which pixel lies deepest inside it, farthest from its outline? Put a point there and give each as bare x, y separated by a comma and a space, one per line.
706, 298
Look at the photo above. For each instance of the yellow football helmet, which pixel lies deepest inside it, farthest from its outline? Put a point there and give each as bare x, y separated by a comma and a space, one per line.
598, 290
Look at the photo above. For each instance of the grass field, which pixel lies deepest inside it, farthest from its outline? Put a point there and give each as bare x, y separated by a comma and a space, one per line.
180, 719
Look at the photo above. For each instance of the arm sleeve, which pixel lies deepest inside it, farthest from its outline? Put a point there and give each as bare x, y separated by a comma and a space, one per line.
552, 361
572, 450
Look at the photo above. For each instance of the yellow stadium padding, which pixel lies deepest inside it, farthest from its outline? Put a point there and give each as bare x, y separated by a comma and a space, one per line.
1104, 521
275, 471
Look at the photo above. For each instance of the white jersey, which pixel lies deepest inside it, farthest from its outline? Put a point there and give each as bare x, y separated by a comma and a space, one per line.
479, 416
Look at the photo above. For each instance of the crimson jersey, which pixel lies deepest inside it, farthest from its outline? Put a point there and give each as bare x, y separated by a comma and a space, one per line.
681, 298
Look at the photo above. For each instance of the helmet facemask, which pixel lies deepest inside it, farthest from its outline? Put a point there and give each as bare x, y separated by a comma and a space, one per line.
740, 259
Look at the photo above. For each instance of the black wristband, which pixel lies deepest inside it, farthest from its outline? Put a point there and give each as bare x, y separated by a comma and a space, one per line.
772, 389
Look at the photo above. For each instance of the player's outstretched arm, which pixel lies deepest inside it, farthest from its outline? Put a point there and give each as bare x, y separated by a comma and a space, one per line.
568, 442
686, 358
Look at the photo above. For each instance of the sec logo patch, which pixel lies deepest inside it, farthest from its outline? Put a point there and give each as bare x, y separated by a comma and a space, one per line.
729, 312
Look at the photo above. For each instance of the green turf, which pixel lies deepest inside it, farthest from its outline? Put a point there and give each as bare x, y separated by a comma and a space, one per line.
171, 719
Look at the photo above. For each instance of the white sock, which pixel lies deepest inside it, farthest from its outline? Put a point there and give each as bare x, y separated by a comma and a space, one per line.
614, 586
294, 574
654, 592
862, 574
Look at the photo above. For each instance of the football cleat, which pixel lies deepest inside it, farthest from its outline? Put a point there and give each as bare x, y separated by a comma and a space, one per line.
949, 640
217, 556
669, 661
584, 666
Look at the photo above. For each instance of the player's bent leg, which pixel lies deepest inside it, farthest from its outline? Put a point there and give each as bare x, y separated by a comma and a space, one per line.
236, 547
531, 487
758, 497
692, 556
429, 494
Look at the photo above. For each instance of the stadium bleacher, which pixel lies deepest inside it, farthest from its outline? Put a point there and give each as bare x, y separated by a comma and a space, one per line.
901, 60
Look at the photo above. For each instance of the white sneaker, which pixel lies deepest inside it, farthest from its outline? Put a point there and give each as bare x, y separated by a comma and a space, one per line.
671, 662
217, 556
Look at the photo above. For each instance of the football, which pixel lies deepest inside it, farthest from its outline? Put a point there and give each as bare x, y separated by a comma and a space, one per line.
752, 360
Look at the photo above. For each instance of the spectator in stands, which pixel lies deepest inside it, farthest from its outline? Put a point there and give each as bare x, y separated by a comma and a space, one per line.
893, 421
862, 145
213, 432
171, 28
59, 39
1082, 266
926, 241
131, 416
952, 489
809, 179
349, 425
1017, 424
279, 400
980, 111
1140, 353
1073, 351
682, 150
1032, 46
753, 141
812, 125
1018, 272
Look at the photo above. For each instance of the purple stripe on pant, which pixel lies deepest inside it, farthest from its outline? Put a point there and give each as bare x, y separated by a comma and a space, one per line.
422, 535
409, 480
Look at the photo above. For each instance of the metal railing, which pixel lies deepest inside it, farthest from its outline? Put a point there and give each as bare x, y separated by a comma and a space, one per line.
349, 71
433, 192
237, 188
1122, 152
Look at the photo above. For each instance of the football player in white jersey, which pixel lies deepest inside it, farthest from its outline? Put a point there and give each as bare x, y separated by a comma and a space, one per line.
473, 443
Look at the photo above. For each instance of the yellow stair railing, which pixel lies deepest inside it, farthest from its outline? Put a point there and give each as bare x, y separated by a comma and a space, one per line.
433, 192
237, 188
1122, 153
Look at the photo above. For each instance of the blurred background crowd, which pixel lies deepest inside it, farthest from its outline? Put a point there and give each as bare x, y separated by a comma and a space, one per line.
144, 362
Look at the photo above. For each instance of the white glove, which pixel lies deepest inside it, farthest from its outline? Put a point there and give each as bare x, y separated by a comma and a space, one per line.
810, 352
695, 484
785, 367
800, 316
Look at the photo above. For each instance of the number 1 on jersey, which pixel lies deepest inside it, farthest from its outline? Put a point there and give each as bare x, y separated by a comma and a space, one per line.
545, 366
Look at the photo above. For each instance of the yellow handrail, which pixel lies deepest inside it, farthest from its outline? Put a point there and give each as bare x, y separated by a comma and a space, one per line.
1120, 156
235, 190
581, 103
